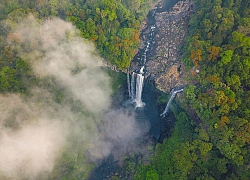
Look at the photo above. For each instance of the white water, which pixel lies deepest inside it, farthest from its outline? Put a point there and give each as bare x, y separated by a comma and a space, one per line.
172, 96
139, 86
132, 90
141, 70
128, 82
135, 87
145, 53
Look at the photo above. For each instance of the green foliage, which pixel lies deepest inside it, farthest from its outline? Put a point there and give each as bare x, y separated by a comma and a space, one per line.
113, 25
226, 57
190, 92
16, 78
220, 96
8, 79
152, 175
218, 44
203, 135
163, 98
72, 165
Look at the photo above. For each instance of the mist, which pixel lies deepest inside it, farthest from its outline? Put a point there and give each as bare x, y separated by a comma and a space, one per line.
35, 128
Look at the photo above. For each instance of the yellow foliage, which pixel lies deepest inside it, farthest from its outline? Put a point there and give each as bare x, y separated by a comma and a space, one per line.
214, 53
231, 100
212, 78
221, 97
196, 57
224, 121
244, 133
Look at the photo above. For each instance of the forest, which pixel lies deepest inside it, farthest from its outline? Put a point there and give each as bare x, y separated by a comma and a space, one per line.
211, 137
215, 143
112, 25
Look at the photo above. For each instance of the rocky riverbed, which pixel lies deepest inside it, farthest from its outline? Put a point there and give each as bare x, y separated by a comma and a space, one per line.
163, 65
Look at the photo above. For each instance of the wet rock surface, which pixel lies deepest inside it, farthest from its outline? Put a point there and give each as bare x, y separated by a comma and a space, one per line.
163, 65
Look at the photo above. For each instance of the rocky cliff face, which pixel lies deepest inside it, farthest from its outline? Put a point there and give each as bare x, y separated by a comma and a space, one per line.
163, 65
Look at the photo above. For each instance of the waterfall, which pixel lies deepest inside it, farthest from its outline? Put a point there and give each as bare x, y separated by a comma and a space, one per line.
141, 70
139, 86
135, 86
128, 82
172, 96
132, 86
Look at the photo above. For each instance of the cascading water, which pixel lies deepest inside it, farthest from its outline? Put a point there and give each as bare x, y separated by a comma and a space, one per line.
135, 86
132, 86
128, 82
172, 96
139, 87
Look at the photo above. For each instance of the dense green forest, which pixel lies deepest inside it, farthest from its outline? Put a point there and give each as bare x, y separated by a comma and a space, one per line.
112, 25
215, 144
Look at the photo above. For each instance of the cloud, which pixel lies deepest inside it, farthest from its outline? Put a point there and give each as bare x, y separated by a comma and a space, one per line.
73, 61
35, 129
120, 126
30, 139
121, 131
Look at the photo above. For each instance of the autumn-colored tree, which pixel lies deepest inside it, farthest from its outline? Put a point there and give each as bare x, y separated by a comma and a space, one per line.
196, 57
213, 78
214, 53
224, 120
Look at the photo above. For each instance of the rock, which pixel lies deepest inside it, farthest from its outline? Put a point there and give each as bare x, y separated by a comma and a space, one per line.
164, 64
170, 78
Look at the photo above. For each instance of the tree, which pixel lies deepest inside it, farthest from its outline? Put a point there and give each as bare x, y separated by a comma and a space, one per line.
196, 56
214, 53
8, 81
152, 175
190, 92
226, 57
228, 3
207, 25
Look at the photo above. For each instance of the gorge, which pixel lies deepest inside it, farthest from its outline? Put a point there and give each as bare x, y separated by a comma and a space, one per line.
154, 38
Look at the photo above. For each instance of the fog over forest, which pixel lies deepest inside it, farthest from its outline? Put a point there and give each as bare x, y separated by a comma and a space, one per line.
36, 129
